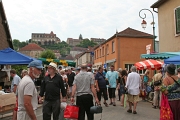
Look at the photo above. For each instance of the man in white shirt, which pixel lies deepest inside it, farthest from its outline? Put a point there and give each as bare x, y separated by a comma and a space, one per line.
133, 86
27, 93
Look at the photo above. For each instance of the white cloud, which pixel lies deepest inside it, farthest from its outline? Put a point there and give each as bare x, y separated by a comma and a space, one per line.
69, 18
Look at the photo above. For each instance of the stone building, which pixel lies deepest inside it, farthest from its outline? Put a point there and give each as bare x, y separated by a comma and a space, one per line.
73, 42
98, 40
32, 50
45, 38
76, 50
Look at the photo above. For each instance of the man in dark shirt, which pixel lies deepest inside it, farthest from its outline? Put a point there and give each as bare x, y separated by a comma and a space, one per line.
101, 85
51, 86
70, 76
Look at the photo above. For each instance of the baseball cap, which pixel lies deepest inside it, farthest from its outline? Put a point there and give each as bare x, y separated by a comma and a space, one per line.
36, 64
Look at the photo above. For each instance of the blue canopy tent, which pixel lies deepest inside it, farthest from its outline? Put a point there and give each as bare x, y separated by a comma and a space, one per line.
175, 60
10, 57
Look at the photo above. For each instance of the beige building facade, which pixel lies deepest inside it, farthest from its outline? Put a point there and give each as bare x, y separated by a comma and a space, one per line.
169, 24
32, 50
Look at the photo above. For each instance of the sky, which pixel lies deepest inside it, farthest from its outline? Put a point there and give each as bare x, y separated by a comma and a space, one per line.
70, 18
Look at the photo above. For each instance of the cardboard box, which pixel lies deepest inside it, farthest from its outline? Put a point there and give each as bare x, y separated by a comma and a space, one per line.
7, 99
7, 102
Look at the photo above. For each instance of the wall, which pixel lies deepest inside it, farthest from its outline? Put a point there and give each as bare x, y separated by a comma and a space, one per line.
168, 42
127, 51
131, 49
34, 54
3, 38
108, 55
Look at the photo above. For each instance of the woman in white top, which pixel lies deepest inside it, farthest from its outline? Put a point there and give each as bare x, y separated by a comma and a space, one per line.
65, 79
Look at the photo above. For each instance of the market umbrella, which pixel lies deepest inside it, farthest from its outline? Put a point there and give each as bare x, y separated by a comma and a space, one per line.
10, 57
174, 60
149, 64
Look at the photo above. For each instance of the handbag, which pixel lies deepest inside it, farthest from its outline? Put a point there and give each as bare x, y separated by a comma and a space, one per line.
158, 82
96, 109
165, 111
71, 112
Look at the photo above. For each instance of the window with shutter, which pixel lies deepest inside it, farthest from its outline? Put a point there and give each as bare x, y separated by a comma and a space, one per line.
177, 17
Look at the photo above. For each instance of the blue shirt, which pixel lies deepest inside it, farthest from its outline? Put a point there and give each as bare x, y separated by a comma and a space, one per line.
101, 80
112, 76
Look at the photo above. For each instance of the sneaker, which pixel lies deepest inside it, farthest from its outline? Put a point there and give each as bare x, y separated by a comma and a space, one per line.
134, 112
129, 111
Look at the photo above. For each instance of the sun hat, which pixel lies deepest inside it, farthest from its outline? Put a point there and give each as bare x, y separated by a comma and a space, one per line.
36, 64
54, 65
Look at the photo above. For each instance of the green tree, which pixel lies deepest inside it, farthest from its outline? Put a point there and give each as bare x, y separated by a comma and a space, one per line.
16, 44
47, 54
86, 43
80, 37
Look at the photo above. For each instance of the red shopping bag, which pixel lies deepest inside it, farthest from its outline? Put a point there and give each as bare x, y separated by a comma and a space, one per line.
165, 112
71, 112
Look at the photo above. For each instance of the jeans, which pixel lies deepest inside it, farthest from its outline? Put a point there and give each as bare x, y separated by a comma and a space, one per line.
104, 91
85, 102
50, 107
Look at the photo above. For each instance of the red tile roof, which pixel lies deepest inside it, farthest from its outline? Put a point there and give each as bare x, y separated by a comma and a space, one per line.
129, 32
158, 3
31, 47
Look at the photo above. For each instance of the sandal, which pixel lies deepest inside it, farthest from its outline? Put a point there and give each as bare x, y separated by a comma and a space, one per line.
129, 111
106, 104
114, 104
111, 103
134, 112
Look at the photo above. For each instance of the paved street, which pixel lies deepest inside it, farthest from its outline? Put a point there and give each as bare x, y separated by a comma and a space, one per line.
145, 112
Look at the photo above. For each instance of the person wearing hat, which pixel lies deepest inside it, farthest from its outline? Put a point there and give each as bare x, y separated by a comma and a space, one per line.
173, 93
77, 70
51, 86
27, 93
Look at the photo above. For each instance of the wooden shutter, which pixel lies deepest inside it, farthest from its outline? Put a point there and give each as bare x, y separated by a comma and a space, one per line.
177, 16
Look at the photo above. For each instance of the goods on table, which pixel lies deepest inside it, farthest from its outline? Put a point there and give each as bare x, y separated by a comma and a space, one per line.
7, 102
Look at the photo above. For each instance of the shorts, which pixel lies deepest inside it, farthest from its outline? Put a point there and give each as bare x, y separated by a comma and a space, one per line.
22, 115
70, 89
133, 98
111, 92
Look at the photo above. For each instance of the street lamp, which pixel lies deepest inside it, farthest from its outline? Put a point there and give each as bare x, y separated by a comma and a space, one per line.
144, 24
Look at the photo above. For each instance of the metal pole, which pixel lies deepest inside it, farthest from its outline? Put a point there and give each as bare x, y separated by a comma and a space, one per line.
151, 23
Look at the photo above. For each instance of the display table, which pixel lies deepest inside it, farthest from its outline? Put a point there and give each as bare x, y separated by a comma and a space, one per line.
7, 102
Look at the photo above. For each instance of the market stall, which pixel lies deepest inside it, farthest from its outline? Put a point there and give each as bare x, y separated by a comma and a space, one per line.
174, 60
10, 57
149, 64
59, 62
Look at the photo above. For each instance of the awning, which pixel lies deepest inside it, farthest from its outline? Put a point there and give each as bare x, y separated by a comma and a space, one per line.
110, 61
9, 56
60, 62
163, 55
149, 64
96, 64
174, 60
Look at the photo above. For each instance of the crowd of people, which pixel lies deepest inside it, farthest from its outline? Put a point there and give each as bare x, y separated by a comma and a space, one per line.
82, 84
